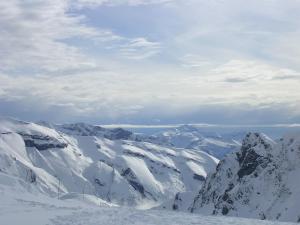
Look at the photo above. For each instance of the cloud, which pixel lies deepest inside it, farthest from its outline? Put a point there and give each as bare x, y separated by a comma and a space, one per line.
225, 30
195, 61
94, 3
32, 34
139, 48
125, 94
236, 71
121, 60
235, 80
286, 49
45, 37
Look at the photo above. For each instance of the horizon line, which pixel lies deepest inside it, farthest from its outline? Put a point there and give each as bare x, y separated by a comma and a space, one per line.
202, 125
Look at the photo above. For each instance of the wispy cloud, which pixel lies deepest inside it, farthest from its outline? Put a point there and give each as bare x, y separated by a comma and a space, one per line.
139, 48
36, 37
195, 61
124, 58
123, 94
94, 3
32, 34
236, 71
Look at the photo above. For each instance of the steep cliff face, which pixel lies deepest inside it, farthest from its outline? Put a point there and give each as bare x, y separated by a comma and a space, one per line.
259, 181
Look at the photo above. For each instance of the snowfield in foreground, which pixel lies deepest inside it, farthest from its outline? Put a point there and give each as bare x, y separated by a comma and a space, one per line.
27, 209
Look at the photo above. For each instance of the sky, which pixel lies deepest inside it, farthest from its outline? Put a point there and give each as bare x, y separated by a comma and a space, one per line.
150, 61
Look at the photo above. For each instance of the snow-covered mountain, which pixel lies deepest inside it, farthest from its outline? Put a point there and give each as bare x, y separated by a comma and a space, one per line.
110, 164
83, 129
115, 167
259, 181
192, 137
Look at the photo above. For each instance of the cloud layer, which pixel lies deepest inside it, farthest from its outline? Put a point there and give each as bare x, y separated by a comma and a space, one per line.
168, 61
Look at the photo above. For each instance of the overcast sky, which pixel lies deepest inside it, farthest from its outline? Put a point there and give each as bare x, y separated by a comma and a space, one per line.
151, 61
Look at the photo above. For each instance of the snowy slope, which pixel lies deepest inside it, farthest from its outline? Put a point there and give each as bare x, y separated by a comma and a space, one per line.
18, 208
192, 137
69, 160
259, 181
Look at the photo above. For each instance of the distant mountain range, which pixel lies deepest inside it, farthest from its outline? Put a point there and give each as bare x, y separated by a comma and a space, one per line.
112, 164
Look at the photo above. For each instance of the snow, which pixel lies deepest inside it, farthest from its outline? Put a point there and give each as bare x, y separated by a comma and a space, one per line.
197, 169
142, 172
75, 162
23, 208
192, 137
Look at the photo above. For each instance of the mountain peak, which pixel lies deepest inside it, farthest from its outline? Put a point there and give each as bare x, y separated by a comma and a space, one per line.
258, 142
257, 181
255, 151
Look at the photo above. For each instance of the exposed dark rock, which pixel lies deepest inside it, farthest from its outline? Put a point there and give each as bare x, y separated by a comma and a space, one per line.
97, 181
176, 170
248, 162
174, 207
42, 147
128, 173
177, 197
31, 176
225, 210
248, 158
198, 177
42, 143
133, 181
117, 134
262, 216
83, 129
137, 186
135, 154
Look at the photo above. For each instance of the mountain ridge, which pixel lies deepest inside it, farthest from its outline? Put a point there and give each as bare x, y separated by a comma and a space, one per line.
257, 182
107, 163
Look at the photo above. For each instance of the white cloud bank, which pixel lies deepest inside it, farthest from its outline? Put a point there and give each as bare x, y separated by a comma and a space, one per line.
93, 3
211, 58
237, 84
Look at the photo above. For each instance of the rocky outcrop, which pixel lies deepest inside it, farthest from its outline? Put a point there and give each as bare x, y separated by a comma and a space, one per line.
42, 142
118, 134
249, 158
258, 181
83, 129
133, 181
